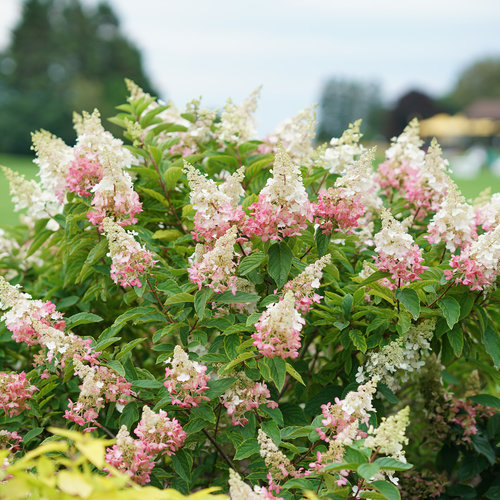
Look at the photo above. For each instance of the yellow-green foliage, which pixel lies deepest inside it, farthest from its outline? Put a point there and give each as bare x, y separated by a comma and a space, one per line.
71, 466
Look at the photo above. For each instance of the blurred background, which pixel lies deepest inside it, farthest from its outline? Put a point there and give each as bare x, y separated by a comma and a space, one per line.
385, 62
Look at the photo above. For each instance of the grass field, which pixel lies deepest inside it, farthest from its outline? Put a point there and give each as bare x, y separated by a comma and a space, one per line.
24, 165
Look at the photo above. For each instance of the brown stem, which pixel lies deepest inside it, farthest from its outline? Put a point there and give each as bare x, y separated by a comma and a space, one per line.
165, 190
445, 290
160, 303
219, 449
306, 252
106, 430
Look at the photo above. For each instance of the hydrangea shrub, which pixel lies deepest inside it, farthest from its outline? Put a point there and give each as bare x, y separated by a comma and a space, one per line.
264, 316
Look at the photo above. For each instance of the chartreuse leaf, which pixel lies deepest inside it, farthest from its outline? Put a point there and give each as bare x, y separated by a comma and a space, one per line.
358, 340
280, 262
450, 309
294, 373
409, 298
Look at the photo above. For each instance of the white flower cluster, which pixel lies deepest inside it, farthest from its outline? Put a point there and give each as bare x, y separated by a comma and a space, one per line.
344, 150
54, 158
30, 195
358, 404
488, 212
239, 490
389, 437
485, 251
285, 187
237, 121
359, 182
275, 459
182, 369
393, 240
208, 197
296, 135
407, 147
396, 361
454, 223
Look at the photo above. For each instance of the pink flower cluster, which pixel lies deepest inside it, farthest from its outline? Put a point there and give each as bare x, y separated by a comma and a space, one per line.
478, 264
219, 222
158, 435
186, 380
115, 197
335, 211
129, 258
278, 329
100, 385
397, 252
275, 222
15, 392
216, 267
83, 174
129, 456
9, 440
245, 395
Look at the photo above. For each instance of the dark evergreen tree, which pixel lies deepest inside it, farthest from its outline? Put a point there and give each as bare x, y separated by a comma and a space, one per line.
62, 58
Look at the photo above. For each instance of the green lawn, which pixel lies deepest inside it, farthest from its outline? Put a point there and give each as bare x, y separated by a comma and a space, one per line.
24, 165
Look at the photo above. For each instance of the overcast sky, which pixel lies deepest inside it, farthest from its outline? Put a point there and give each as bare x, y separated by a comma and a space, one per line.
221, 48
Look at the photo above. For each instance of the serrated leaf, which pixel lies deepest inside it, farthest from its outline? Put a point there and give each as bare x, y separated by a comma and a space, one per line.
239, 359
294, 373
128, 347
388, 463
486, 400
227, 297
247, 448
82, 318
483, 447
200, 301
377, 275
367, 471
358, 340
409, 298
171, 176
491, 341
322, 241
387, 489
179, 298
347, 303
250, 262
450, 309
280, 263
31, 434
218, 387
456, 340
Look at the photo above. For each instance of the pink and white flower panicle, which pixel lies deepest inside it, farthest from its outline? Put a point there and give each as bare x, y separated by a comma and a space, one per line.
129, 259
217, 207
215, 267
283, 209
100, 385
245, 395
186, 380
478, 265
398, 254
160, 434
278, 329
15, 393
305, 284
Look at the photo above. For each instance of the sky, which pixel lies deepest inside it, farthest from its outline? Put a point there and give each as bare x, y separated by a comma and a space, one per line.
226, 48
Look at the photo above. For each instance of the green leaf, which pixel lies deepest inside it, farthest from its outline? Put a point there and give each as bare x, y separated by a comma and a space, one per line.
247, 448
82, 318
347, 303
200, 300
31, 434
387, 463
322, 241
367, 471
227, 297
204, 412
294, 373
409, 298
280, 263
183, 463
278, 372
491, 341
272, 430
358, 340
486, 400
130, 415
39, 240
147, 384
218, 387
339, 466
128, 347
482, 446
225, 162
387, 489
171, 176
97, 252
456, 339
377, 275
387, 393
250, 262
167, 234
179, 298
239, 359
450, 309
